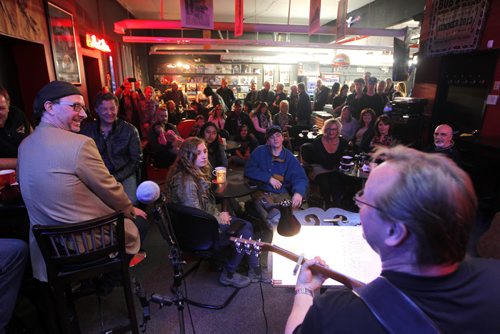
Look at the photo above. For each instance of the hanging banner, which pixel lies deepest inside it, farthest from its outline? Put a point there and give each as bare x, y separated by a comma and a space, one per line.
197, 14
238, 18
456, 26
314, 16
341, 20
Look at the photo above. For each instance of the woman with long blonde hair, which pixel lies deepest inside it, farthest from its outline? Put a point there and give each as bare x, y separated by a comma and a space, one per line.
189, 183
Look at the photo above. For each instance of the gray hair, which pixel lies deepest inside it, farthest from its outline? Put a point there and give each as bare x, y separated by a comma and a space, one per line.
434, 198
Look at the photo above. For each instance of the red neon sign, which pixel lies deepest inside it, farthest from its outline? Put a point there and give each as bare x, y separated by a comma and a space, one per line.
99, 44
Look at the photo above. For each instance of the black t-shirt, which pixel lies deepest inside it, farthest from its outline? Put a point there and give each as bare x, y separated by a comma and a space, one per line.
466, 301
16, 128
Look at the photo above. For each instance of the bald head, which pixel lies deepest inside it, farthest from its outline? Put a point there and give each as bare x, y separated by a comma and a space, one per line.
443, 136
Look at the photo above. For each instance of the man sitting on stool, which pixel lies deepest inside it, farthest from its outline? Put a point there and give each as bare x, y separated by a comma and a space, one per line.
279, 174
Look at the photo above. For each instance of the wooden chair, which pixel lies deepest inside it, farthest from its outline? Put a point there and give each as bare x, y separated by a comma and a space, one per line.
75, 252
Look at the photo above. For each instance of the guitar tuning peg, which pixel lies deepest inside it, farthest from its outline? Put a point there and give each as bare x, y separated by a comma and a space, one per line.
248, 248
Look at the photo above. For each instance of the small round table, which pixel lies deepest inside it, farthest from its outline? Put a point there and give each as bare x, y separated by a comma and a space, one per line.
235, 186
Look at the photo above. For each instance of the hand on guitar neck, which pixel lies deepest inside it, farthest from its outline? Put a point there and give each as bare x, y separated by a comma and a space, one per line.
316, 265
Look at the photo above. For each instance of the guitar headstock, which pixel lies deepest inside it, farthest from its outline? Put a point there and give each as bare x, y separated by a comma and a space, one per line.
249, 246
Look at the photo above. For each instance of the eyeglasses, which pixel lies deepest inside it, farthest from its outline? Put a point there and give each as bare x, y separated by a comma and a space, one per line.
359, 202
77, 107
331, 130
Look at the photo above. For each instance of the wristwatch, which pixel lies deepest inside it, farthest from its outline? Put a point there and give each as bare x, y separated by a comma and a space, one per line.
304, 291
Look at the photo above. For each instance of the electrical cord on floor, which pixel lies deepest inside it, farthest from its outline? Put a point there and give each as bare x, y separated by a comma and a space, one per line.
188, 306
263, 307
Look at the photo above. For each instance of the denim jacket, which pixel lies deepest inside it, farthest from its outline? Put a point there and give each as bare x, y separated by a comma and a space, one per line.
120, 151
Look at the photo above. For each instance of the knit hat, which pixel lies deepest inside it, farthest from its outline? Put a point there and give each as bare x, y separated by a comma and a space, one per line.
272, 130
52, 91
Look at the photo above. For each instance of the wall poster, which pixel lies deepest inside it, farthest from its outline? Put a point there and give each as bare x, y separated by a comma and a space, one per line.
197, 14
456, 26
62, 39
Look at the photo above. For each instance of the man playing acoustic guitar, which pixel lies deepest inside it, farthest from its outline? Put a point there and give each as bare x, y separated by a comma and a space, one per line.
417, 211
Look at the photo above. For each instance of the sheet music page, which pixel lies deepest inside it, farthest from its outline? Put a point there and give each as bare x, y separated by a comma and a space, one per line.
342, 247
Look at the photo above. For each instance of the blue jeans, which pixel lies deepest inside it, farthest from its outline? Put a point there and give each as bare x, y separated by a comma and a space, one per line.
13, 257
246, 232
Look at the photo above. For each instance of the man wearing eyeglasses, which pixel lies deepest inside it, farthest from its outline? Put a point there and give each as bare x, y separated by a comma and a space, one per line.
417, 211
62, 176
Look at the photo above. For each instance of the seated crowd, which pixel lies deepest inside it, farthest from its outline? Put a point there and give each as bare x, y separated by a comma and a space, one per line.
96, 167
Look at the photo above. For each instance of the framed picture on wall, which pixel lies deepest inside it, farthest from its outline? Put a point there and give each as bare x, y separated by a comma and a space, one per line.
62, 40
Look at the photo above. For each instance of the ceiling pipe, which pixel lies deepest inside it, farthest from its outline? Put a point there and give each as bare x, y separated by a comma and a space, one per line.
120, 27
210, 43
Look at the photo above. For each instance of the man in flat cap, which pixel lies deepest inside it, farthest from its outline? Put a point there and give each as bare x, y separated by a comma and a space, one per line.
61, 173
278, 173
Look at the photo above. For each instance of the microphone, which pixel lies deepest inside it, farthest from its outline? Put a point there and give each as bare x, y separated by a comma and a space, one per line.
288, 225
148, 192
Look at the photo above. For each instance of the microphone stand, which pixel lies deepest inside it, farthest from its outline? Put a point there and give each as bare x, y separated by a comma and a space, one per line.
179, 300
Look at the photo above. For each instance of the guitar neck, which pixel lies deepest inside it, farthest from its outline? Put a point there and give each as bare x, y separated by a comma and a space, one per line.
349, 282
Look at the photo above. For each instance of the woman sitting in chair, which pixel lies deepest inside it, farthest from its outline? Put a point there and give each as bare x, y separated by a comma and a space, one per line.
323, 157
188, 183
216, 153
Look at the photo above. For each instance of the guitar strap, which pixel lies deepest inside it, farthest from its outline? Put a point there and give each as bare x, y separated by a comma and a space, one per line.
393, 309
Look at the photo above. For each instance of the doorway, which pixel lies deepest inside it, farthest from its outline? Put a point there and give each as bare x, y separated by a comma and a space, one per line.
93, 78
23, 71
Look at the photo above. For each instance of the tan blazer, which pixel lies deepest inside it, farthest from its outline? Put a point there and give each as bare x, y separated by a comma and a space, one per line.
63, 180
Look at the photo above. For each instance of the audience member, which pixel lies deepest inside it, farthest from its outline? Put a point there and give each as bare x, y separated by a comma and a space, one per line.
400, 90
13, 258
174, 114
261, 120
189, 184
279, 96
214, 98
381, 92
323, 157
354, 100
389, 88
247, 142
216, 153
176, 95
370, 99
293, 100
444, 144
226, 94
147, 109
303, 106
279, 175
199, 122
129, 101
217, 116
118, 143
284, 119
339, 101
383, 133
62, 176
236, 120
163, 140
349, 124
321, 94
417, 211
334, 92
266, 94
252, 96
14, 127
365, 131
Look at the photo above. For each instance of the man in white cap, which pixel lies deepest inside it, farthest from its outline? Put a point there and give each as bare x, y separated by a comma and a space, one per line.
61, 173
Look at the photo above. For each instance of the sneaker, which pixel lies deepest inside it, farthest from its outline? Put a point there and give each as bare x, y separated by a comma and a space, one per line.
238, 281
258, 275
